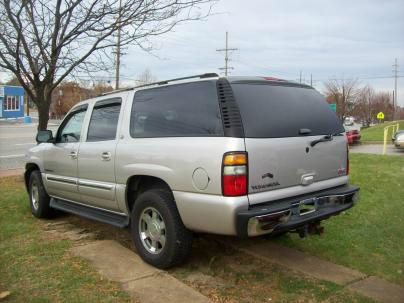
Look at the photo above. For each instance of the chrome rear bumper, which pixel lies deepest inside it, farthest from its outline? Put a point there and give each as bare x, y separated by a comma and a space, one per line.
288, 214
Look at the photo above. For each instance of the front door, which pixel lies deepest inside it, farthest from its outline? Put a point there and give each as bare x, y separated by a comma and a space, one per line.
96, 163
60, 159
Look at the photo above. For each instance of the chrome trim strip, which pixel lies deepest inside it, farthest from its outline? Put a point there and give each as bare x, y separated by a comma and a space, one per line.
97, 185
68, 180
90, 206
263, 217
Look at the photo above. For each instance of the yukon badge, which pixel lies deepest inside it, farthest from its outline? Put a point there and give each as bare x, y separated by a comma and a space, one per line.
267, 185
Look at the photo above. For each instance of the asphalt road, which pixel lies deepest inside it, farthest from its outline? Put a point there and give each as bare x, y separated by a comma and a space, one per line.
15, 139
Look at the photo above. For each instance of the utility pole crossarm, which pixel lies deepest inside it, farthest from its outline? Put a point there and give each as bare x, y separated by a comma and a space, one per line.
226, 51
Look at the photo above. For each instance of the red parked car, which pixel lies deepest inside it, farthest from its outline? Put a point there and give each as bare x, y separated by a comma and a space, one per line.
353, 136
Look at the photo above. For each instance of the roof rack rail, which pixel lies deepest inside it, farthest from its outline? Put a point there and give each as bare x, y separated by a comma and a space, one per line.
201, 76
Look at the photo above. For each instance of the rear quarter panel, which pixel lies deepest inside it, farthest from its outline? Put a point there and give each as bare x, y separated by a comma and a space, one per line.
175, 159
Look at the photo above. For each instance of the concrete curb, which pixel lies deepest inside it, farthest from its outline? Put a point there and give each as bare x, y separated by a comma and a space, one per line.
379, 290
143, 282
298, 261
372, 287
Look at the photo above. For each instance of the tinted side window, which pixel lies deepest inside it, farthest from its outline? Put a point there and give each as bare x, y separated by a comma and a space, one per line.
271, 111
70, 130
188, 109
104, 120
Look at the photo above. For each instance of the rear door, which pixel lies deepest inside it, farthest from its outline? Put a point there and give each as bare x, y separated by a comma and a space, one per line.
282, 124
96, 161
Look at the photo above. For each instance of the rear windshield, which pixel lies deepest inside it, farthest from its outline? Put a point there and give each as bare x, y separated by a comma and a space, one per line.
275, 111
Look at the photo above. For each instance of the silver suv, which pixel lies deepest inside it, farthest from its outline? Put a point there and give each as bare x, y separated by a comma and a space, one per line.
241, 156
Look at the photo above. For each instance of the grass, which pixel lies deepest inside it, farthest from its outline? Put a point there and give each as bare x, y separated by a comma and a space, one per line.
36, 269
370, 236
376, 133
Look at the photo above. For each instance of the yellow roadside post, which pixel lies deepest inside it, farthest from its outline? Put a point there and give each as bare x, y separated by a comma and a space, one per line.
386, 131
395, 128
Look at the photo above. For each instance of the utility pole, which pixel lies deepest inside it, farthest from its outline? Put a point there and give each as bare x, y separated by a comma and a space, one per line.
311, 80
118, 49
394, 104
300, 78
395, 65
226, 56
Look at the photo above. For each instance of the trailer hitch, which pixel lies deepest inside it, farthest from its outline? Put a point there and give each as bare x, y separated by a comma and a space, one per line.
313, 228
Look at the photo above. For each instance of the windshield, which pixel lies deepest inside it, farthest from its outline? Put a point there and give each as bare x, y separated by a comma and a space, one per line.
275, 111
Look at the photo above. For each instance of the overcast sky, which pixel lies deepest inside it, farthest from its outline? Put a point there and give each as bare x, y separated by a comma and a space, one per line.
328, 39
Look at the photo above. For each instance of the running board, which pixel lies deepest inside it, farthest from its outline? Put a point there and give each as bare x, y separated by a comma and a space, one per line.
90, 213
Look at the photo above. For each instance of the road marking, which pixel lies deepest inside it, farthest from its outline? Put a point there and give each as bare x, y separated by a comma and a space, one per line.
12, 156
20, 144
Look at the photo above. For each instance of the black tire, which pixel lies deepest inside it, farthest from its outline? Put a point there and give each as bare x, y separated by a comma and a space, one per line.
38, 197
178, 239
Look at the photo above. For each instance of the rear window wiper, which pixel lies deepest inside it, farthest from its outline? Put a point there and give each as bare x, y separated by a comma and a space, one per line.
326, 138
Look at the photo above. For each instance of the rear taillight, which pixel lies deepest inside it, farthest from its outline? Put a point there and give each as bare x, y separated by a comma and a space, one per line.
235, 174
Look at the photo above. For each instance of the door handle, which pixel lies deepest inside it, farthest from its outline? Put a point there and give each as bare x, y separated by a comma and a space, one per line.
106, 156
73, 155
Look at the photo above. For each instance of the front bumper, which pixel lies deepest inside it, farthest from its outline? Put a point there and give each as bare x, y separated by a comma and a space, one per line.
288, 214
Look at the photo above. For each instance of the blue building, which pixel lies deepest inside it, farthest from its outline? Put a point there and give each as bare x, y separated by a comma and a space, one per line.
11, 101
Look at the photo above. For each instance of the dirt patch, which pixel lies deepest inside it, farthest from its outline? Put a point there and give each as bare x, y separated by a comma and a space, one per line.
65, 230
81, 231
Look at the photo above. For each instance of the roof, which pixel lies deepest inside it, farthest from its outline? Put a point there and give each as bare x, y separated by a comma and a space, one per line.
206, 76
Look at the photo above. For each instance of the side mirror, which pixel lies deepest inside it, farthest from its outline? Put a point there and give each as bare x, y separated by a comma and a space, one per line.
44, 136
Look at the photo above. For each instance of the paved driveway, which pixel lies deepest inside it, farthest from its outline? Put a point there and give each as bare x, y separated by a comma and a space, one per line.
15, 139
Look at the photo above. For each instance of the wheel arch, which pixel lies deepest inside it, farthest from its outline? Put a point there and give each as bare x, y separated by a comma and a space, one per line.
29, 168
138, 184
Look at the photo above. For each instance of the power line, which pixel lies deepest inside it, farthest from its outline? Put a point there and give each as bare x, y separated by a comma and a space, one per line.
226, 55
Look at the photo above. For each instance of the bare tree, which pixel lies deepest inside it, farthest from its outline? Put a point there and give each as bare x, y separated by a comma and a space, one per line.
363, 108
369, 103
343, 93
44, 41
147, 77
383, 102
